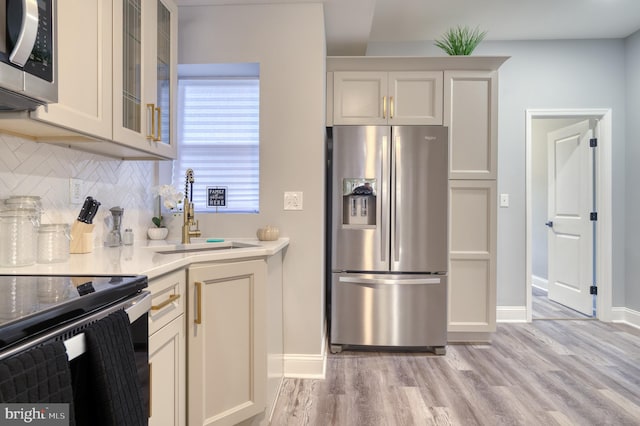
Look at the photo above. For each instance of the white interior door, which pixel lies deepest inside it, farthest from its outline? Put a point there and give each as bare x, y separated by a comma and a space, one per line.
570, 204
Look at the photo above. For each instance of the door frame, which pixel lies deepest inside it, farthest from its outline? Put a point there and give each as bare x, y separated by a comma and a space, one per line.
604, 275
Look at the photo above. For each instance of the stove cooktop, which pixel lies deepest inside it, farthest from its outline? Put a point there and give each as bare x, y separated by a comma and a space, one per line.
32, 304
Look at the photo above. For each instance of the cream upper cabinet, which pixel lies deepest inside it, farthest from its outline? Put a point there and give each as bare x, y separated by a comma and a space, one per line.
471, 114
145, 75
117, 80
84, 69
167, 350
227, 341
394, 98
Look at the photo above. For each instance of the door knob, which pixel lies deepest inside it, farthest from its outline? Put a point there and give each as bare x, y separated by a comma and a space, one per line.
549, 224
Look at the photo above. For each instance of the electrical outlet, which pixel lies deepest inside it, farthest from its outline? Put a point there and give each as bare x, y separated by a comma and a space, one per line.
293, 200
75, 191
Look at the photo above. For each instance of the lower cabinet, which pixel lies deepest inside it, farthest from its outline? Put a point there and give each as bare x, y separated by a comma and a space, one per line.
226, 337
472, 257
167, 350
167, 361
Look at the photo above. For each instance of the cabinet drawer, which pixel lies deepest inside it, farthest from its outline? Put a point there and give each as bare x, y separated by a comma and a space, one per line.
168, 299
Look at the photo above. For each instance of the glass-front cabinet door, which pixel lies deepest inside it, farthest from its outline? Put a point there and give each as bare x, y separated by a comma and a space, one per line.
164, 73
145, 75
132, 43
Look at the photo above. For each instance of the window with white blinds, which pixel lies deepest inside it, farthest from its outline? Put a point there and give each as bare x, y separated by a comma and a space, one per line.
218, 137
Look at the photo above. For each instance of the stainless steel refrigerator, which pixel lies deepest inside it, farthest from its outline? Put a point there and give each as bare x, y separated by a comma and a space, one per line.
388, 236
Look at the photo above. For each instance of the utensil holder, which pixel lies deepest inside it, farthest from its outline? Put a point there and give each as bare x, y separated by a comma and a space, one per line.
81, 237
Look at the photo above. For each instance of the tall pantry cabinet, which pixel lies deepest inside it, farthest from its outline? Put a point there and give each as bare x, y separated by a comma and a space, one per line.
471, 114
460, 93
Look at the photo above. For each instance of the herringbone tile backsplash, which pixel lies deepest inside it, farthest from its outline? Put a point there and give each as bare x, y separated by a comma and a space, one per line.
31, 168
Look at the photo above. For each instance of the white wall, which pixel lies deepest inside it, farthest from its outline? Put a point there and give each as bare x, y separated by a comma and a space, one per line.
546, 74
289, 44
632, 294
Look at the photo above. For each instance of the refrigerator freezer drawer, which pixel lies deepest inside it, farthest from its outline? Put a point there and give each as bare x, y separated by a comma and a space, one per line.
389, 310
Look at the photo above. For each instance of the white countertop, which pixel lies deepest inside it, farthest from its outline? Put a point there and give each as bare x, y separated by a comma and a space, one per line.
142, 258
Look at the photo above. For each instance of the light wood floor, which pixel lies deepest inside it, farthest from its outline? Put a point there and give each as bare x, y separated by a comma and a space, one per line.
551, 372
543, 308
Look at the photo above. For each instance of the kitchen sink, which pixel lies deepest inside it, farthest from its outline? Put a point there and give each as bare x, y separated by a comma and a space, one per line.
204, 247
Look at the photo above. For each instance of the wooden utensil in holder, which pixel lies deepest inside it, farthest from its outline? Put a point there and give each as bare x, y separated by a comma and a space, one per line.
81, 237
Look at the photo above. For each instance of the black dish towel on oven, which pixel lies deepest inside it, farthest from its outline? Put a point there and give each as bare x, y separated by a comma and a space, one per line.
116, 394
40, 375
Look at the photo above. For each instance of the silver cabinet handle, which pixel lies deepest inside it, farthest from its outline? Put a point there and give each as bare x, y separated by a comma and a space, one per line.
28, 33
549, 224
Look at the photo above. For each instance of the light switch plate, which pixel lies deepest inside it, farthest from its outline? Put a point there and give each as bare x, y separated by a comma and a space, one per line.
293, 200
504, 200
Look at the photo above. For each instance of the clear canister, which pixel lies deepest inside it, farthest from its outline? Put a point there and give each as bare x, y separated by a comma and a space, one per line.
53, 243
18, 237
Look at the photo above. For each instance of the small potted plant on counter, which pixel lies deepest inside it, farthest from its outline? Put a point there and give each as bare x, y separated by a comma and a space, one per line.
160, 231
170, 198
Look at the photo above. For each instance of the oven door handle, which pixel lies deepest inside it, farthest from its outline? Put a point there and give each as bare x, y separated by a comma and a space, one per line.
28, 33
135, 308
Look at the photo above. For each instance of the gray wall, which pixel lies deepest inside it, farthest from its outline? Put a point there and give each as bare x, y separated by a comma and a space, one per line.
546, 74
632, 46
289, 44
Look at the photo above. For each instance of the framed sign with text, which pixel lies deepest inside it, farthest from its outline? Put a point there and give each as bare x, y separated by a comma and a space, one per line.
217, 196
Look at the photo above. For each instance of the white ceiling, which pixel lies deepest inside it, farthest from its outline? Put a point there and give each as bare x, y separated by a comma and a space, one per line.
351, 24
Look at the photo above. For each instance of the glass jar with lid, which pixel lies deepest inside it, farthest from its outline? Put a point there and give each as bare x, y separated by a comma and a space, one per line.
53, 243
26, 202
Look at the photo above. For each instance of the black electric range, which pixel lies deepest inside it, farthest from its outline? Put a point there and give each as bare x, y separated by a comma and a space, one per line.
33, 304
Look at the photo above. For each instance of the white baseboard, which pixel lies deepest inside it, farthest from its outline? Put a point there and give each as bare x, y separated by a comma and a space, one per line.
506, 314
625, 315
511, 314
305, 366
540, 282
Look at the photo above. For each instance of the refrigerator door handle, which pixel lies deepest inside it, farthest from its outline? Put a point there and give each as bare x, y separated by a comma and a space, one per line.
397, 199
374, 281
384, 237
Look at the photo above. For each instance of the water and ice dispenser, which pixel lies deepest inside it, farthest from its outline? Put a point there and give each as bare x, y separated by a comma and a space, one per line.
359, 202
